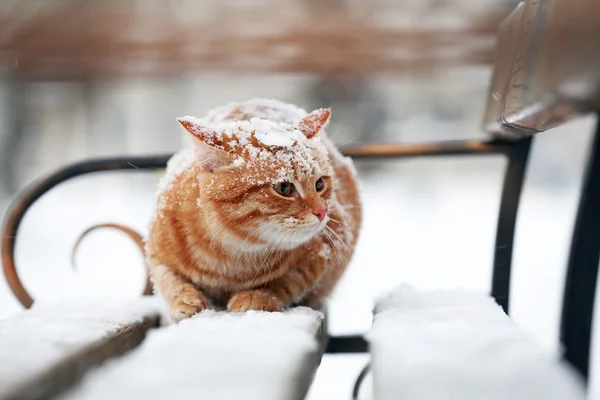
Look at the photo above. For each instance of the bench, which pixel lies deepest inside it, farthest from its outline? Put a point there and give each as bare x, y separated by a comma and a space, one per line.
218, 356
542, 77
458, 344
45, 350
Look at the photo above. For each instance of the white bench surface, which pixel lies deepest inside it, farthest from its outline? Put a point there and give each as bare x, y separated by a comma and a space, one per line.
34, 342
456, 344
217, 355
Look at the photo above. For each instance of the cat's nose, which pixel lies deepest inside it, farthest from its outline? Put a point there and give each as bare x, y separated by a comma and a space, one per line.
321, 214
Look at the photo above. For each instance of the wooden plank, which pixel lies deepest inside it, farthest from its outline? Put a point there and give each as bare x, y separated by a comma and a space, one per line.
96, 39
47, 349
217, 355
547, 67
457, 344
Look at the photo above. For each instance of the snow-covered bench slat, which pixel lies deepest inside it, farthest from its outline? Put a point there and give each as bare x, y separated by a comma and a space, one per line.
217, 355
459, 344
47, 349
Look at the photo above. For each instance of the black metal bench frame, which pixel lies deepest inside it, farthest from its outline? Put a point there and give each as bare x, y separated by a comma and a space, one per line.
580, 285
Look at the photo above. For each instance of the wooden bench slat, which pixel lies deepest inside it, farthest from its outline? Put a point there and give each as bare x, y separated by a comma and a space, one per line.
217, 355
47, 349
458, 344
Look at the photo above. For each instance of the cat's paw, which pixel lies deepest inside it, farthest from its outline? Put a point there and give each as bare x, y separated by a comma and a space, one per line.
252, 300
188, 302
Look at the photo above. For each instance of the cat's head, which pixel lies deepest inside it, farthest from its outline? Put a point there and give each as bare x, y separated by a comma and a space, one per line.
267, 184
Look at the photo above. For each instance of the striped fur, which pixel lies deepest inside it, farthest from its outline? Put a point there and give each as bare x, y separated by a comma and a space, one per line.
223, 237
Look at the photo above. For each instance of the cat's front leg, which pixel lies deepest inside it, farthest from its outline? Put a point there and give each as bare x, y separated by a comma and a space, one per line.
183, 298
259, 300
187, 302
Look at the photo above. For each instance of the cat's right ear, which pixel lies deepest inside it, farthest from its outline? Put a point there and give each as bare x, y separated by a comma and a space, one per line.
315, 122
209, 147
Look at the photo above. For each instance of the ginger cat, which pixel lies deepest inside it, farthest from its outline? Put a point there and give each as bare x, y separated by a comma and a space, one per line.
258, 212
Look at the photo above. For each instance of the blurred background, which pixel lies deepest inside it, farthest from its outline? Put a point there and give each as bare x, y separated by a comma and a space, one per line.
81, 79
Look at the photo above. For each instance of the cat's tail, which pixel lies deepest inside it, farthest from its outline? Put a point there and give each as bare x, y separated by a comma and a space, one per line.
133, 235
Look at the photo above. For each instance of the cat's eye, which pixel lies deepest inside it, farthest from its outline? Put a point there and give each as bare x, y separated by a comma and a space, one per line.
285, 189
320, 185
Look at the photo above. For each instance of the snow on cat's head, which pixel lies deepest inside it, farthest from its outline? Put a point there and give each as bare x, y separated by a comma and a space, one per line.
265, 182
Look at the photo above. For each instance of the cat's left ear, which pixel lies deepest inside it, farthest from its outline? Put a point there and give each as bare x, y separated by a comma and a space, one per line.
315, 122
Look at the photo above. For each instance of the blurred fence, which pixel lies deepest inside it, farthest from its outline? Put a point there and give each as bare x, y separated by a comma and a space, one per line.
84, 78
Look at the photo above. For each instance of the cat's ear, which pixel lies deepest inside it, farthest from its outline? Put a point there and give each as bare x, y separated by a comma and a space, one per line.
315, 122
208, 144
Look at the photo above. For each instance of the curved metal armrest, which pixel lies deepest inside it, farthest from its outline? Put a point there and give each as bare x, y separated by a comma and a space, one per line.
33, 192
37, 189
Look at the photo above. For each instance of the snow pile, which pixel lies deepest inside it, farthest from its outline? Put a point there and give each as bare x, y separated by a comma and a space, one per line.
216, 355
274, 139
270, 151
238, 134
33, 341
457, 344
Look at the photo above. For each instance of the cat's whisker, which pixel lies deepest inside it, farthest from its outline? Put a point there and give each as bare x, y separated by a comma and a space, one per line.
279, 239
342, 242
248, 236
328, 237
342, 224
336, 250
339, 223
339, 239
242, 248
347, 142
335, 133
249, 284
333, 247
284, 236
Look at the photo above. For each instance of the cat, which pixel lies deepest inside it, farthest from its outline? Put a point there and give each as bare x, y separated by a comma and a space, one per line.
258, 211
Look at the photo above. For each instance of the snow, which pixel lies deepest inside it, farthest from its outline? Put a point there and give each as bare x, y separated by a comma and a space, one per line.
238, 134
274, 139
429, 222
261, 144
238, 162
32, 341
216, 355
433, 344
408, 298
434, 232
241, 131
